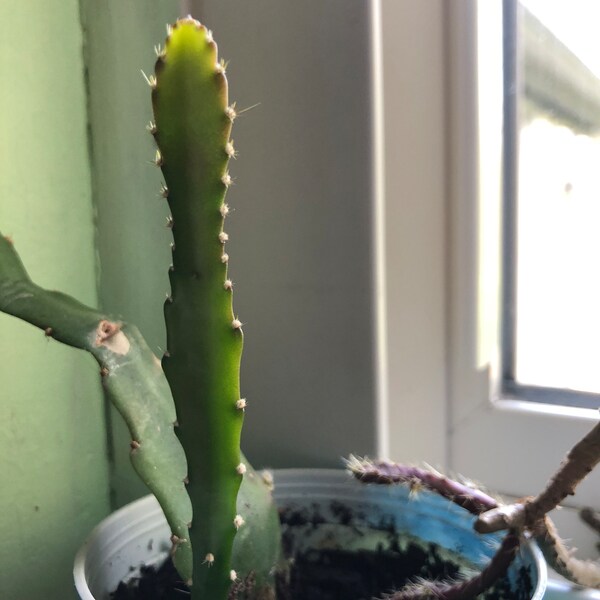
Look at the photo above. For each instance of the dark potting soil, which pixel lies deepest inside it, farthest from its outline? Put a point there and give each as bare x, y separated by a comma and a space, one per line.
333, 573
362, 575
162, 583
330, 575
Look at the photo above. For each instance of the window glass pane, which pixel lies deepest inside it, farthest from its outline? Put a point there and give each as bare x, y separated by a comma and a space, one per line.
557, 334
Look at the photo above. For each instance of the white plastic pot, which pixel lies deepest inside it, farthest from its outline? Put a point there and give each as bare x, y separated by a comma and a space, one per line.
138, 533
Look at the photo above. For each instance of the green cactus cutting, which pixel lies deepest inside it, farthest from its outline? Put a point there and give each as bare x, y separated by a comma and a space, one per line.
204, 338
225, 528
131, 377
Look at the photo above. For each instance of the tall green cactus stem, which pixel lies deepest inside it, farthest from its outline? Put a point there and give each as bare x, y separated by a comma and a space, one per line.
131, 376
204, 338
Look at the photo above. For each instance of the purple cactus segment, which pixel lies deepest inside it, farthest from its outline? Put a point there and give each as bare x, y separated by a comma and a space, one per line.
383, 472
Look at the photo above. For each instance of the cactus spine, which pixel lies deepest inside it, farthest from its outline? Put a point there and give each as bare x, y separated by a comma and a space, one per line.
204, 338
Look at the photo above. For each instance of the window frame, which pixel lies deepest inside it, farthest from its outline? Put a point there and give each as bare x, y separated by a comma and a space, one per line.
410, 274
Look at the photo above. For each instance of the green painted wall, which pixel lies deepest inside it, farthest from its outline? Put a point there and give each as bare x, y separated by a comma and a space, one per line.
53, 470
133, 241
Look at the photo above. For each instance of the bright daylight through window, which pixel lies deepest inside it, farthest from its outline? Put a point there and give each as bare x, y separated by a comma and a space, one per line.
552, 204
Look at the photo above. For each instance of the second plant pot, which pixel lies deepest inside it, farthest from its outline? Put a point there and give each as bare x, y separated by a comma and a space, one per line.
323, 512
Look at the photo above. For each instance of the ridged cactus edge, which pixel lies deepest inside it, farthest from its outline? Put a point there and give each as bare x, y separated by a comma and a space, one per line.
192, 127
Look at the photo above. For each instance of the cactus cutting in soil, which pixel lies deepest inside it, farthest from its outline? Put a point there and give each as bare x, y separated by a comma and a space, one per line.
185, 412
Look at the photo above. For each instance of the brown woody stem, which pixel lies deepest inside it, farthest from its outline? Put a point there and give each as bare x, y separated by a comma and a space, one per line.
578, 463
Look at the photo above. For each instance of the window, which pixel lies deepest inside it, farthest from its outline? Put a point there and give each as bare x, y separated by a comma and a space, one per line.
551, 300
506, 441
443, 115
